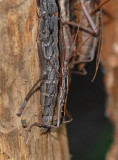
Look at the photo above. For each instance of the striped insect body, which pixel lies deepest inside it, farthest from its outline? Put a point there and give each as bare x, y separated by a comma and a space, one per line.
49, 54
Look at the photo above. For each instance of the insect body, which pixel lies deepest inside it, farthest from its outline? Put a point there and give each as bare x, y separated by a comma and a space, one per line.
49, 55
54, 61
48, 45
54, 75
58, 92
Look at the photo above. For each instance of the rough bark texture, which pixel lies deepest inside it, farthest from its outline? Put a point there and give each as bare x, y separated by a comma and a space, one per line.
19, 70
110, 61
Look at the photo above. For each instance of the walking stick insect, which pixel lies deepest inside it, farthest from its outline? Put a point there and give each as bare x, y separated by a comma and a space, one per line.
54, 81
52, 93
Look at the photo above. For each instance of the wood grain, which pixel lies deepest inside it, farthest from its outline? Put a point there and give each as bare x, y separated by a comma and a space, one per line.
19, 70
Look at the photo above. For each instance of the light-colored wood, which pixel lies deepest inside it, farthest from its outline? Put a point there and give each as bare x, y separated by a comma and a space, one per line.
110, 60
19, 70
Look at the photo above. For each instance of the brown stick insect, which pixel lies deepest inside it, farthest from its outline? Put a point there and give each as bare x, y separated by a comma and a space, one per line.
54, 58
53, 85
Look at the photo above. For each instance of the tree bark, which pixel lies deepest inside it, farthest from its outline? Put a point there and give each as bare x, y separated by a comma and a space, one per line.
110, 60
19, 70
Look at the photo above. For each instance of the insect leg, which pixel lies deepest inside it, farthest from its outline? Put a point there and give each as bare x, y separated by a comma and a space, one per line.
69, 116
74, 53
88, 59
30, 93
83, 28
82, 72
88, 16
55, 125
42, 125
51, 126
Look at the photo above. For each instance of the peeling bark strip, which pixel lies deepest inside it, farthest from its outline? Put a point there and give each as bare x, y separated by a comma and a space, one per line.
49, 54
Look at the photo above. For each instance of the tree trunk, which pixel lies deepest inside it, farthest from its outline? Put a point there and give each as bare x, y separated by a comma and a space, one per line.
19, 70
110, 61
